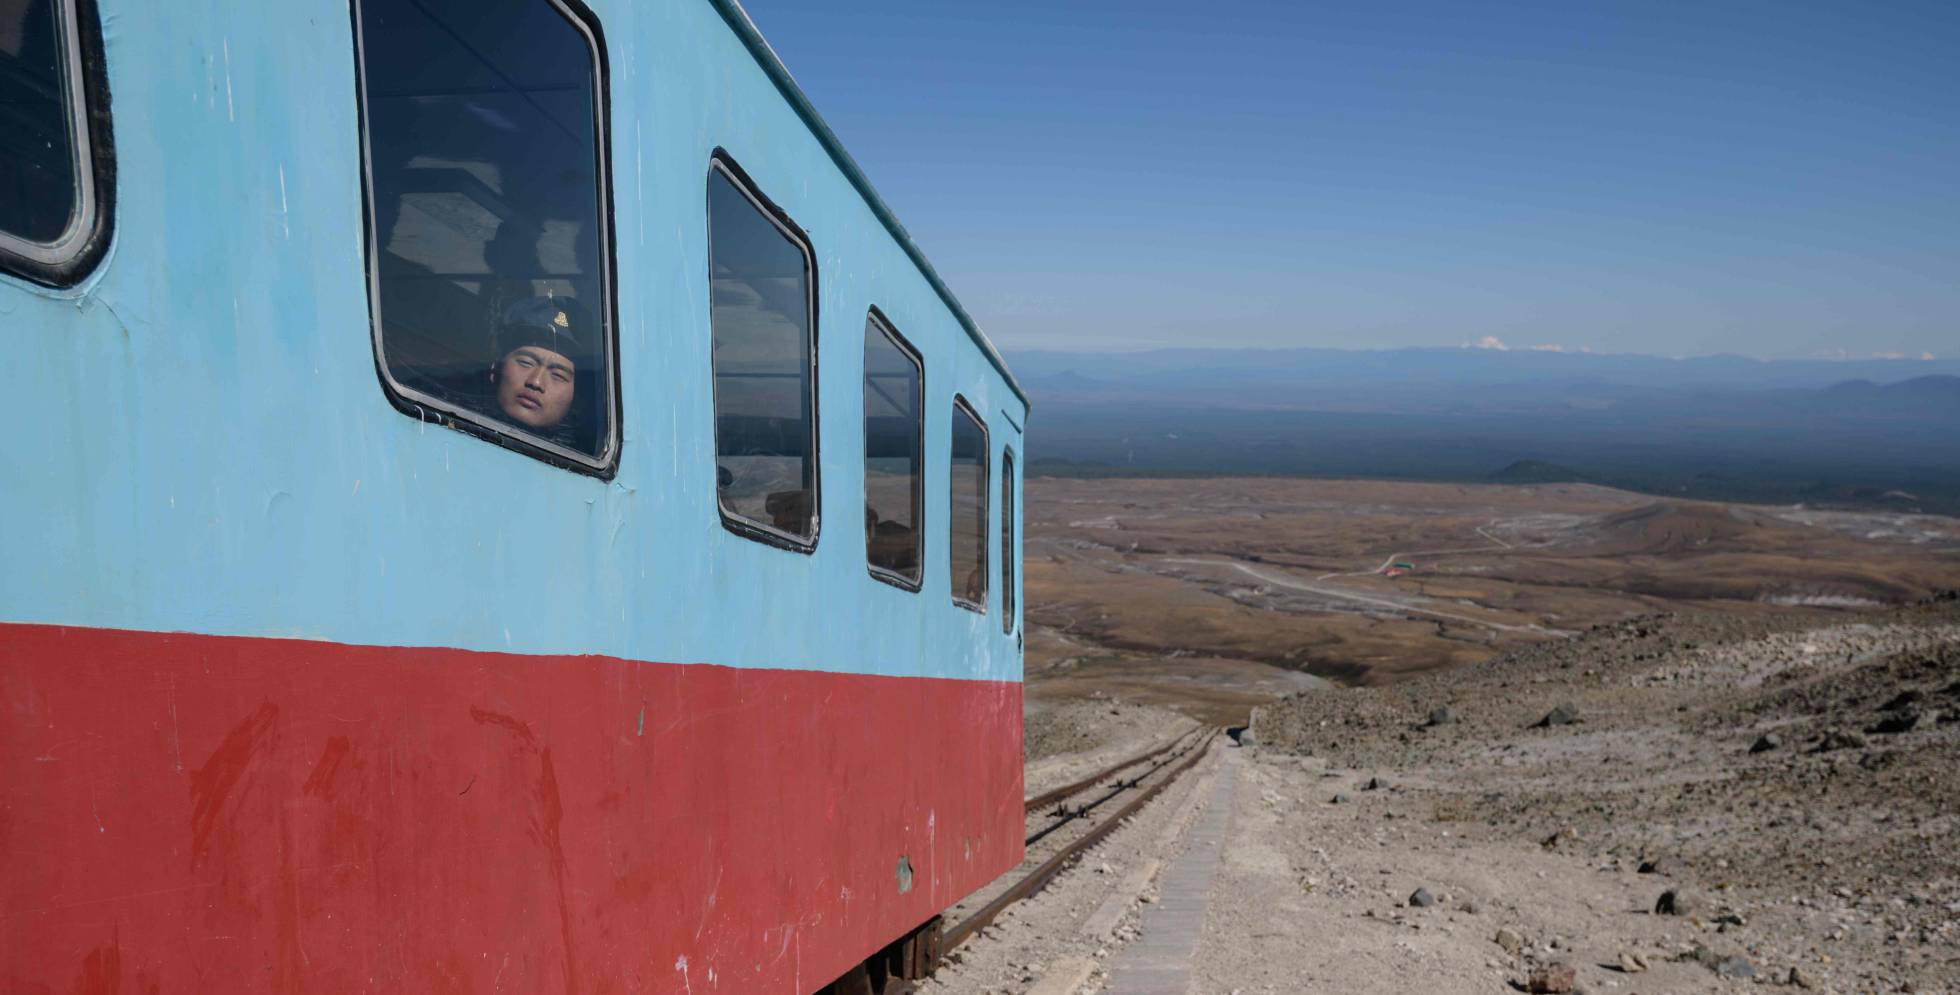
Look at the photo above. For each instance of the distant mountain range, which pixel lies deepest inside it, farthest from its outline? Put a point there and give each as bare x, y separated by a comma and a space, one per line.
1867, 432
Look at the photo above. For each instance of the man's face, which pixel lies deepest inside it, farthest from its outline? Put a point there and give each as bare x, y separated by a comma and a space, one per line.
534, 386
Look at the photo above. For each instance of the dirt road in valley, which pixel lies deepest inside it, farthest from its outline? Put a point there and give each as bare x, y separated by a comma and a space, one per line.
1390, 560
1401, 605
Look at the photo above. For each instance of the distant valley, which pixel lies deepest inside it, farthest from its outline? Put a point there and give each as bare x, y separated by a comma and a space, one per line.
1872, 433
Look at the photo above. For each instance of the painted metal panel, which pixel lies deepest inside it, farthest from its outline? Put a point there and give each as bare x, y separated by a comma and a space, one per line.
208, 448
203, 814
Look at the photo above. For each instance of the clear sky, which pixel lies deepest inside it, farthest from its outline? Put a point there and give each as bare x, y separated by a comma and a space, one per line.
1777, 179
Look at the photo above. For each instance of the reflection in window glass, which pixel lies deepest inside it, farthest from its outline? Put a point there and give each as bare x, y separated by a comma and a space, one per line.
968, 523
488, 212
39, 125
893, 432
1007, 541
765, 420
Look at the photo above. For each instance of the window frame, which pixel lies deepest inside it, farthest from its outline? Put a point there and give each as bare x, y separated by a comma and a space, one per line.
1008, 504
74, 254
748, 528
960, 404
426, 408
905, 347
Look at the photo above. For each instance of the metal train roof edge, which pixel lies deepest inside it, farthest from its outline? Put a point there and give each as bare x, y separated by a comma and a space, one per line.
744, 26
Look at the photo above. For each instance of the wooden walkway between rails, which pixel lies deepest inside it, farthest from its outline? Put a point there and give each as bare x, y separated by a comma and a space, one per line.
1159, 961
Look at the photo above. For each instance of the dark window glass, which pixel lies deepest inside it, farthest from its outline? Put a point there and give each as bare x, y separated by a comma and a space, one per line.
43, 141
1007, 541
488, 213
764, 358
968, 522
894, 430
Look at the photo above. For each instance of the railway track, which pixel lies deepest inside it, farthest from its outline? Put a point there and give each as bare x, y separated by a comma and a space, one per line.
1047, 798
1177, 757
916, 956
1065, 814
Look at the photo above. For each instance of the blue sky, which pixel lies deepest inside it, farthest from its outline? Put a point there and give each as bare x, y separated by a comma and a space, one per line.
1772, 179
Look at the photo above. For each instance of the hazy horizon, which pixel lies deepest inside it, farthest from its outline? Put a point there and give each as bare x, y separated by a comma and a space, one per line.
1094, 348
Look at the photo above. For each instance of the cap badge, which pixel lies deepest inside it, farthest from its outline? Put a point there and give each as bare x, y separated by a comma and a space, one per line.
561, 321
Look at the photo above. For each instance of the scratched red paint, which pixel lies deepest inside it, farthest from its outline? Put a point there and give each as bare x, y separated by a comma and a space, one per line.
320, 782
427, 820
101, 972
212, 784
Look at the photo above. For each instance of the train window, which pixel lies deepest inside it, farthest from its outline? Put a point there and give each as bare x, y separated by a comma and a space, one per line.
1007, 541
489, 253
968, 521
894, 433
763, 311
56, 170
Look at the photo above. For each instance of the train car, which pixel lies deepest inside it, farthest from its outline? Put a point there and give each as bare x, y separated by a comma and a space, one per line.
498, 504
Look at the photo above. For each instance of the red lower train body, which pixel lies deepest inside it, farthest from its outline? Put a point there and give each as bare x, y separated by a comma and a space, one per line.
199, 814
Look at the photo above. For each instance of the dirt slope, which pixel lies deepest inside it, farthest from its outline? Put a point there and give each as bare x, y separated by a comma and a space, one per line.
1797, 776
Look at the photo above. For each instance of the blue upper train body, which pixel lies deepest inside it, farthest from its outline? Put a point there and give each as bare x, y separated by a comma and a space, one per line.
204, 445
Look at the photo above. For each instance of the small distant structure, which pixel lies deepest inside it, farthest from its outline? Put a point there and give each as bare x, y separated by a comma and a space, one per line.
1398, 568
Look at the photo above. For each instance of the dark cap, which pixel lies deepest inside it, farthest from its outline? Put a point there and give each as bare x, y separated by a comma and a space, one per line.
554, 323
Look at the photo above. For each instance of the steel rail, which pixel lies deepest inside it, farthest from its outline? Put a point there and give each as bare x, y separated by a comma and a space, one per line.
1040, 876
1045, 798
1065, 814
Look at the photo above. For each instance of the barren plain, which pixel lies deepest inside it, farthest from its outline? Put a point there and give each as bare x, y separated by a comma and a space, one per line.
1548, 738
1217, 594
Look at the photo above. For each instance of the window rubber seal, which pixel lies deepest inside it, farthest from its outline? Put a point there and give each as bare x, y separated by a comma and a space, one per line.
426, 408
960, 403
73, 255
895, 579
748, 528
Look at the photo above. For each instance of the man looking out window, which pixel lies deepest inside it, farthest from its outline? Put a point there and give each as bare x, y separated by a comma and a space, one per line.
536, 378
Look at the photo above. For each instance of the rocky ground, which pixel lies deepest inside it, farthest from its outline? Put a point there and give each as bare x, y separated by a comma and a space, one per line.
1669, 805
1064, 730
